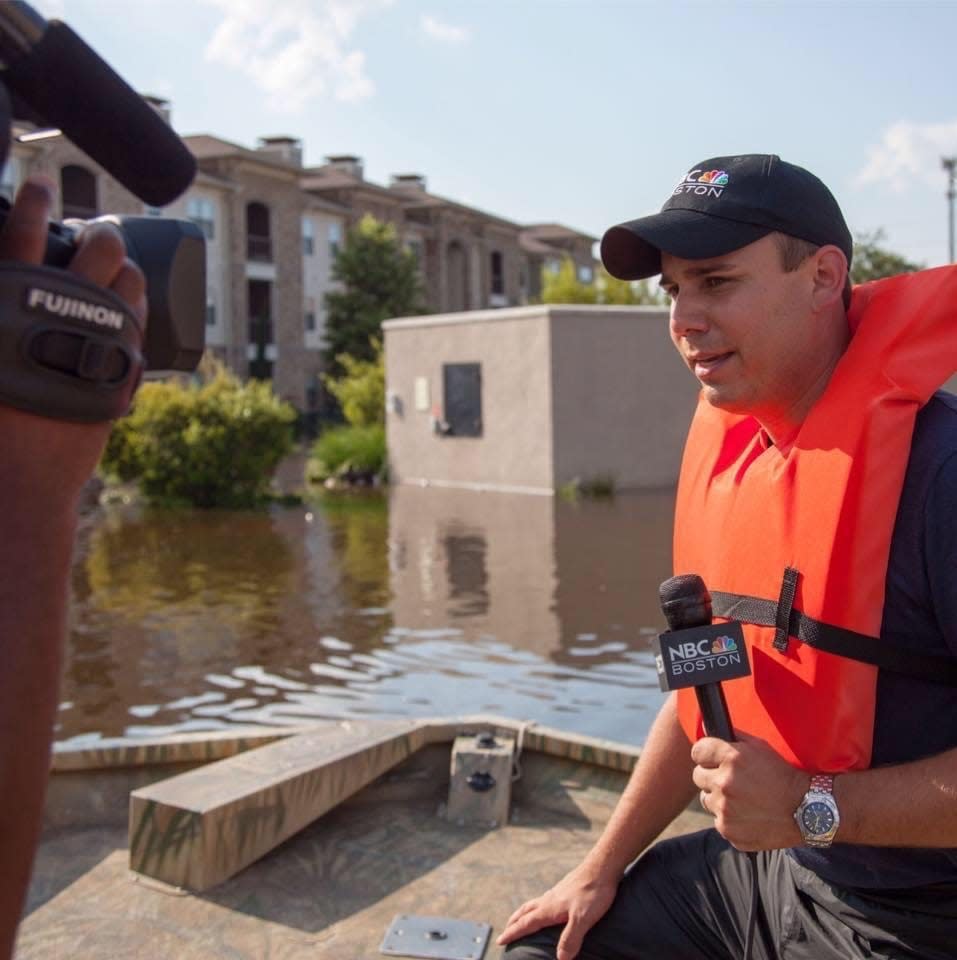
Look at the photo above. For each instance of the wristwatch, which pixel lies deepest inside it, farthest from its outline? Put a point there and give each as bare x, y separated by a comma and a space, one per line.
817, 815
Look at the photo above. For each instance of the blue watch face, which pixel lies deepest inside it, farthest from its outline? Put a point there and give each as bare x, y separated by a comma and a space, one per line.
818, 818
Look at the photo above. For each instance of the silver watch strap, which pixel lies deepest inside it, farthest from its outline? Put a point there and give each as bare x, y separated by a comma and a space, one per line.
822, 783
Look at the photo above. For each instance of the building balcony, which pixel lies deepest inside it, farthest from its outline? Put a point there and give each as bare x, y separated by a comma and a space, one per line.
259, 248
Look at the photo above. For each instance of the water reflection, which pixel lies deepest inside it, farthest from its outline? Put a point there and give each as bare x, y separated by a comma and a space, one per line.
421, 602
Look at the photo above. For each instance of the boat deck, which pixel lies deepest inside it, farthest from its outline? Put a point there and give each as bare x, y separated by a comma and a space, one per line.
332, 890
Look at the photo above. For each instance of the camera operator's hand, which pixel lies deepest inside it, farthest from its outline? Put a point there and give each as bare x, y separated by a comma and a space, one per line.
43, 466
32, 444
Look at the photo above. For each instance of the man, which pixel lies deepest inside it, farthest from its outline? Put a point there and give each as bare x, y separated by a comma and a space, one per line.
818, 500
43, 465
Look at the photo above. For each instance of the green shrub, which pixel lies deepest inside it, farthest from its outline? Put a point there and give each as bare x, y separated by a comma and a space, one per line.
599, 487
210, 445
344, 451
361, 388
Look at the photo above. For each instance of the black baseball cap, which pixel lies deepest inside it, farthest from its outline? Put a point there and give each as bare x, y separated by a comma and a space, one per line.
723, 204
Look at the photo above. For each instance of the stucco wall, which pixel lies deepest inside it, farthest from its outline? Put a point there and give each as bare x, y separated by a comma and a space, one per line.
622, 400
515, 449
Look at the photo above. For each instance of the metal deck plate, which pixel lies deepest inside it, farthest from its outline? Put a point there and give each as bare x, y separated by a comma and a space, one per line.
435, 938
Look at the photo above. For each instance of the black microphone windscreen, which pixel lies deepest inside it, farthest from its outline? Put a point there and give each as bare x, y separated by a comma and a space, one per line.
67, 84
685, 602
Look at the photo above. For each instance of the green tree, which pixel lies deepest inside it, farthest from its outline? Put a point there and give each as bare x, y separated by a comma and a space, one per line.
378, 279
872, 261
629, 292
361, 388
563, 286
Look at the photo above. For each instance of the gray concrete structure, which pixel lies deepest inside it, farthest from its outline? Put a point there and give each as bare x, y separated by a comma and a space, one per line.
565, 394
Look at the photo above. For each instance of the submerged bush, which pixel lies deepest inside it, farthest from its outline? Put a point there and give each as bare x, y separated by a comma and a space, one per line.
353, 453
599, 487
210, 445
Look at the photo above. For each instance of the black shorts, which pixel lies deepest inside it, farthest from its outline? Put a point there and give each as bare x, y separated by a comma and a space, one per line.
689, 898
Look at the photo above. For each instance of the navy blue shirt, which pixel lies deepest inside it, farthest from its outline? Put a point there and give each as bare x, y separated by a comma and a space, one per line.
913, 718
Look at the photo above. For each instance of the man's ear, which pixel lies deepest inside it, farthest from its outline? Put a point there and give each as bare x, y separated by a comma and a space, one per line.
829, 276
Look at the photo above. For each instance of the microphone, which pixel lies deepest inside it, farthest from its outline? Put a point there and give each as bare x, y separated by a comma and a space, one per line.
64, 83
693, 652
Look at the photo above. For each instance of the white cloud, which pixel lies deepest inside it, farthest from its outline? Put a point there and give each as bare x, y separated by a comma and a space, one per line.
296, 50
907, 152
443, 32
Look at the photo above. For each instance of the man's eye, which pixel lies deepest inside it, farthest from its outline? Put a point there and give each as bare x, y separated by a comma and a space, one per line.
713, 282
669, 292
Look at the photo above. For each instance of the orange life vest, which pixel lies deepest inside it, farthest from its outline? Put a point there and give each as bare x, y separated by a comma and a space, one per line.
824, 510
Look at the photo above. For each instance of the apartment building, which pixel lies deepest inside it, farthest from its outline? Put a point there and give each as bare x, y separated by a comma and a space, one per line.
273, 228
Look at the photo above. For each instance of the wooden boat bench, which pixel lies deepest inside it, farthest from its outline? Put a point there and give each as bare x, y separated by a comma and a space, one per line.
199, 828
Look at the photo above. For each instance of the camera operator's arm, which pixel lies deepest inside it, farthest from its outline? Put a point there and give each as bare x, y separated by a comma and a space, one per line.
43, 466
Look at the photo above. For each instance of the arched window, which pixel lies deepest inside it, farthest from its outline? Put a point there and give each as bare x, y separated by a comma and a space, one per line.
78, 190
258, 242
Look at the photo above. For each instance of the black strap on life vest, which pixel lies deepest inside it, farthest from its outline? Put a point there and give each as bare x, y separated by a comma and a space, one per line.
790, 622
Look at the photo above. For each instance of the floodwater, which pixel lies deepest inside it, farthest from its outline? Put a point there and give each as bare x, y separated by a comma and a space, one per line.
415, 602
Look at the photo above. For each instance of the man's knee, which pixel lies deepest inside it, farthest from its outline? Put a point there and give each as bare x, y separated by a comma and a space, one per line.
536, 946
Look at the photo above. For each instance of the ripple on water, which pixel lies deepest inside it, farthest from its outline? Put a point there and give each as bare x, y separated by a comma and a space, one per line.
232, 619
231, 683
334, 643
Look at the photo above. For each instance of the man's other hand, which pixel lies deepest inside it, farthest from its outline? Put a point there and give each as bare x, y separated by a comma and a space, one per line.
578, 901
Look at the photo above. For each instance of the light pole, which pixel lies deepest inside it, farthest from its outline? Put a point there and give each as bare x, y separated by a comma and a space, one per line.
950, 165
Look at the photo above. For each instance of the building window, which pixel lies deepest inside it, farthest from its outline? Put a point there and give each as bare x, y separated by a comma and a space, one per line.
585, 274
309, 314
210, 312
10, 179
335, 239
261, 349
308, 237
553, 266
498, 273
462, 387
258, 235
202, 212
78, 190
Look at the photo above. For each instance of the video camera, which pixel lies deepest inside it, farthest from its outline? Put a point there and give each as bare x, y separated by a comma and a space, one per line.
68, 348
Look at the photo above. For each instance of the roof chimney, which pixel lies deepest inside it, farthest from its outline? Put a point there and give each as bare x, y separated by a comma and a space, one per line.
287, 149
346, 163
408, 181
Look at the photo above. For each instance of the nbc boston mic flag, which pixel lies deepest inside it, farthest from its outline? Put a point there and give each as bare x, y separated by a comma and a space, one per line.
706, 654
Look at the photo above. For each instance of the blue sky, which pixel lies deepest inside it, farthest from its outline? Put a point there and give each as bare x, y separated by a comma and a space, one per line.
584, 112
